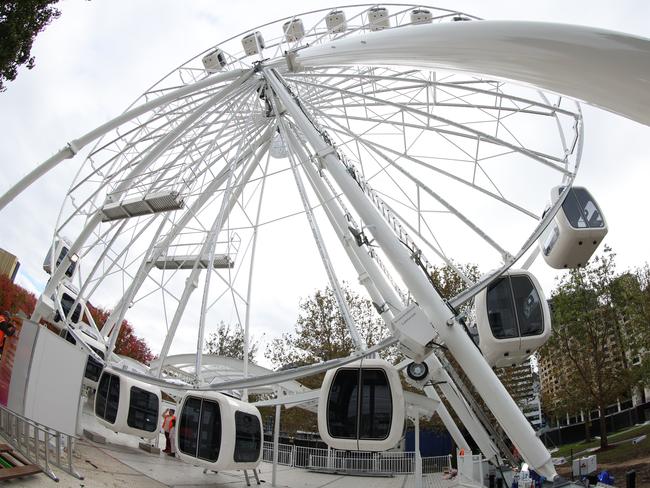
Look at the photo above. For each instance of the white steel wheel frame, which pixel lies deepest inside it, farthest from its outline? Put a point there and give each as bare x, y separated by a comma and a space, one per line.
458, 166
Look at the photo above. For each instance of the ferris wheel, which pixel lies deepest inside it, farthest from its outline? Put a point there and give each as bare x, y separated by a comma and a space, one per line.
333, 140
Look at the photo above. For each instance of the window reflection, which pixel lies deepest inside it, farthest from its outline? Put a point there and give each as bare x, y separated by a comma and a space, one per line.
342, 404
108, 398
581, 209
188, 428
143, 410
500, 311
365, 413
248, 440
376, 405
528, 305
514, 308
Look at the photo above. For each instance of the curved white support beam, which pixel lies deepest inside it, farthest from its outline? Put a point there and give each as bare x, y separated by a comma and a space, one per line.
74, 146
604, 68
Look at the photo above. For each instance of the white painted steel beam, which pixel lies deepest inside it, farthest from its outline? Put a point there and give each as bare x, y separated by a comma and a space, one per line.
117, 315
604, 68
74, 146
157, 150
388, 301
440, 315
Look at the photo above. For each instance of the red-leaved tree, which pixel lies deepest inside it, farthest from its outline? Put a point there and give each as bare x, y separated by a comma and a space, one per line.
127, 344
14, 299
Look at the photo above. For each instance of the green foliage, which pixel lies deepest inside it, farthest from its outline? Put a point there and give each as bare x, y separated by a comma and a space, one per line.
20, 22
449, 283
229, 342
599, 325
321, 333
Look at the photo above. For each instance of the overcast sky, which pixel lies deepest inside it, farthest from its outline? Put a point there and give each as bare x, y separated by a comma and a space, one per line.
100, 55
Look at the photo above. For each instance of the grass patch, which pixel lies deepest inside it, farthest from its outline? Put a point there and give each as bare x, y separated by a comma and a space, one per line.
614, 453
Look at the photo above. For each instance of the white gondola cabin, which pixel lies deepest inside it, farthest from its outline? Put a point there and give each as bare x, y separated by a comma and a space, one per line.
513, 319
294, 30
59, 250
378, 18
361, 406
421, 16
93, 367
576, 231
336, 22
253, 43
214, 61
126, 405
218, 432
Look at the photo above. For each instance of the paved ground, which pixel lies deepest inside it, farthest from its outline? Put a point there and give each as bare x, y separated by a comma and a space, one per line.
121, 464
114, 466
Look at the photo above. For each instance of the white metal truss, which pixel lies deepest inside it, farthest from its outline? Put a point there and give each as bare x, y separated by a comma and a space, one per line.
414, 163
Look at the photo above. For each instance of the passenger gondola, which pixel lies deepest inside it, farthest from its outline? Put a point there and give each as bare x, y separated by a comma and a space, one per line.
361, 406
218, 432
576, 231
294, 30
513, 318
378, 18
336, 22
126, 405
214, 61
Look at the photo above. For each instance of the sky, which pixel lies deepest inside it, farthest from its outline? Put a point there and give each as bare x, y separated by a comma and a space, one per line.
99, 56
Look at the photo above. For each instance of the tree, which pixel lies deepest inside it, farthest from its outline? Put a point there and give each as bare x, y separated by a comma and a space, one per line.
449, 283
593, 322
229, 342
631, 296
321, 333
20, 22
127, 343
14, 298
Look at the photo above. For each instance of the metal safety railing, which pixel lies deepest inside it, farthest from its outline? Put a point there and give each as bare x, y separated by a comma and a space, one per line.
39, 444
353, 461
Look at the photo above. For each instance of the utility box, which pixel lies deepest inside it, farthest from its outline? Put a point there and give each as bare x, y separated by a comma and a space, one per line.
585, 465
415, 332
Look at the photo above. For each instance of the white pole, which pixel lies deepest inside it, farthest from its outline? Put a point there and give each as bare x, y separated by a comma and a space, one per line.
276, 444
249, 291
448, 422
357, 340
371, 277
418, 457
440, 315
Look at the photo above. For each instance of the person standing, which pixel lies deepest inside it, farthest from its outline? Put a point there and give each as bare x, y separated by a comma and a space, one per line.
7, 329
168, 418
172, 438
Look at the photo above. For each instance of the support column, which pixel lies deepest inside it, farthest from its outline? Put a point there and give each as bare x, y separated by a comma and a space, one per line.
440, 315
381, 292
418, 456
276, 444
